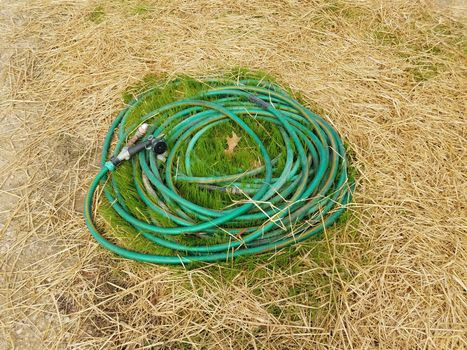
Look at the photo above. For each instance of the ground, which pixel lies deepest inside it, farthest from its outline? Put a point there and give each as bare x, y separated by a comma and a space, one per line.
390, 77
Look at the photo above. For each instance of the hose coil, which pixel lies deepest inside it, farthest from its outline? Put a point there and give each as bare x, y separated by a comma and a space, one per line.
280, 206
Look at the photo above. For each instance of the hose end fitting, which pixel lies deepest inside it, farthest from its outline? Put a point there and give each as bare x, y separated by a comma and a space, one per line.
159, 146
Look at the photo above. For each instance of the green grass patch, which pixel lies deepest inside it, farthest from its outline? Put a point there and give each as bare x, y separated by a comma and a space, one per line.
423, 70
142, 8
386, 35
208, 158
97, 15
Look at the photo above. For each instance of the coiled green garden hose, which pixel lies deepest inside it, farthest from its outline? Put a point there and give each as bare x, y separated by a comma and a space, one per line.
280, 207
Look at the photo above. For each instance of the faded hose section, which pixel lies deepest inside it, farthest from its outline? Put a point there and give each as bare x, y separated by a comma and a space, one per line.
281, 207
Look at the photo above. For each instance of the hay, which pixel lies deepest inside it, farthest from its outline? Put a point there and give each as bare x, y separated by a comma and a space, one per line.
389, 76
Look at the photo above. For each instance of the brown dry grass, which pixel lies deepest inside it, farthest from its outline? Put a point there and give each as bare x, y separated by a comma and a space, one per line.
389, 75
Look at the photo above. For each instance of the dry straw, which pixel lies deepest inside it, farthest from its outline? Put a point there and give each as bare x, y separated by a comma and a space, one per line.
389, 75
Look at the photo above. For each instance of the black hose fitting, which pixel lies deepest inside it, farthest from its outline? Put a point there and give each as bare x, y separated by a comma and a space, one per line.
159, 146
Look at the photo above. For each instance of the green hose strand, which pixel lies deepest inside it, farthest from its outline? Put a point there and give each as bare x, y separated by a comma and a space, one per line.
283, 202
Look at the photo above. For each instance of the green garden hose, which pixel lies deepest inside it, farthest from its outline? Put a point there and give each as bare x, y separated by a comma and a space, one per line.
280, 206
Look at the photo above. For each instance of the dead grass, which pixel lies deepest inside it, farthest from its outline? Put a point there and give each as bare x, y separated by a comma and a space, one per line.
389, 75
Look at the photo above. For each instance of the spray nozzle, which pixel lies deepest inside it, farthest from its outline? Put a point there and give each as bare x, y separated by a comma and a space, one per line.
157, 145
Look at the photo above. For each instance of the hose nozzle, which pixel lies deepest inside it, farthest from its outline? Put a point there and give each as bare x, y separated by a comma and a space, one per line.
157, 145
